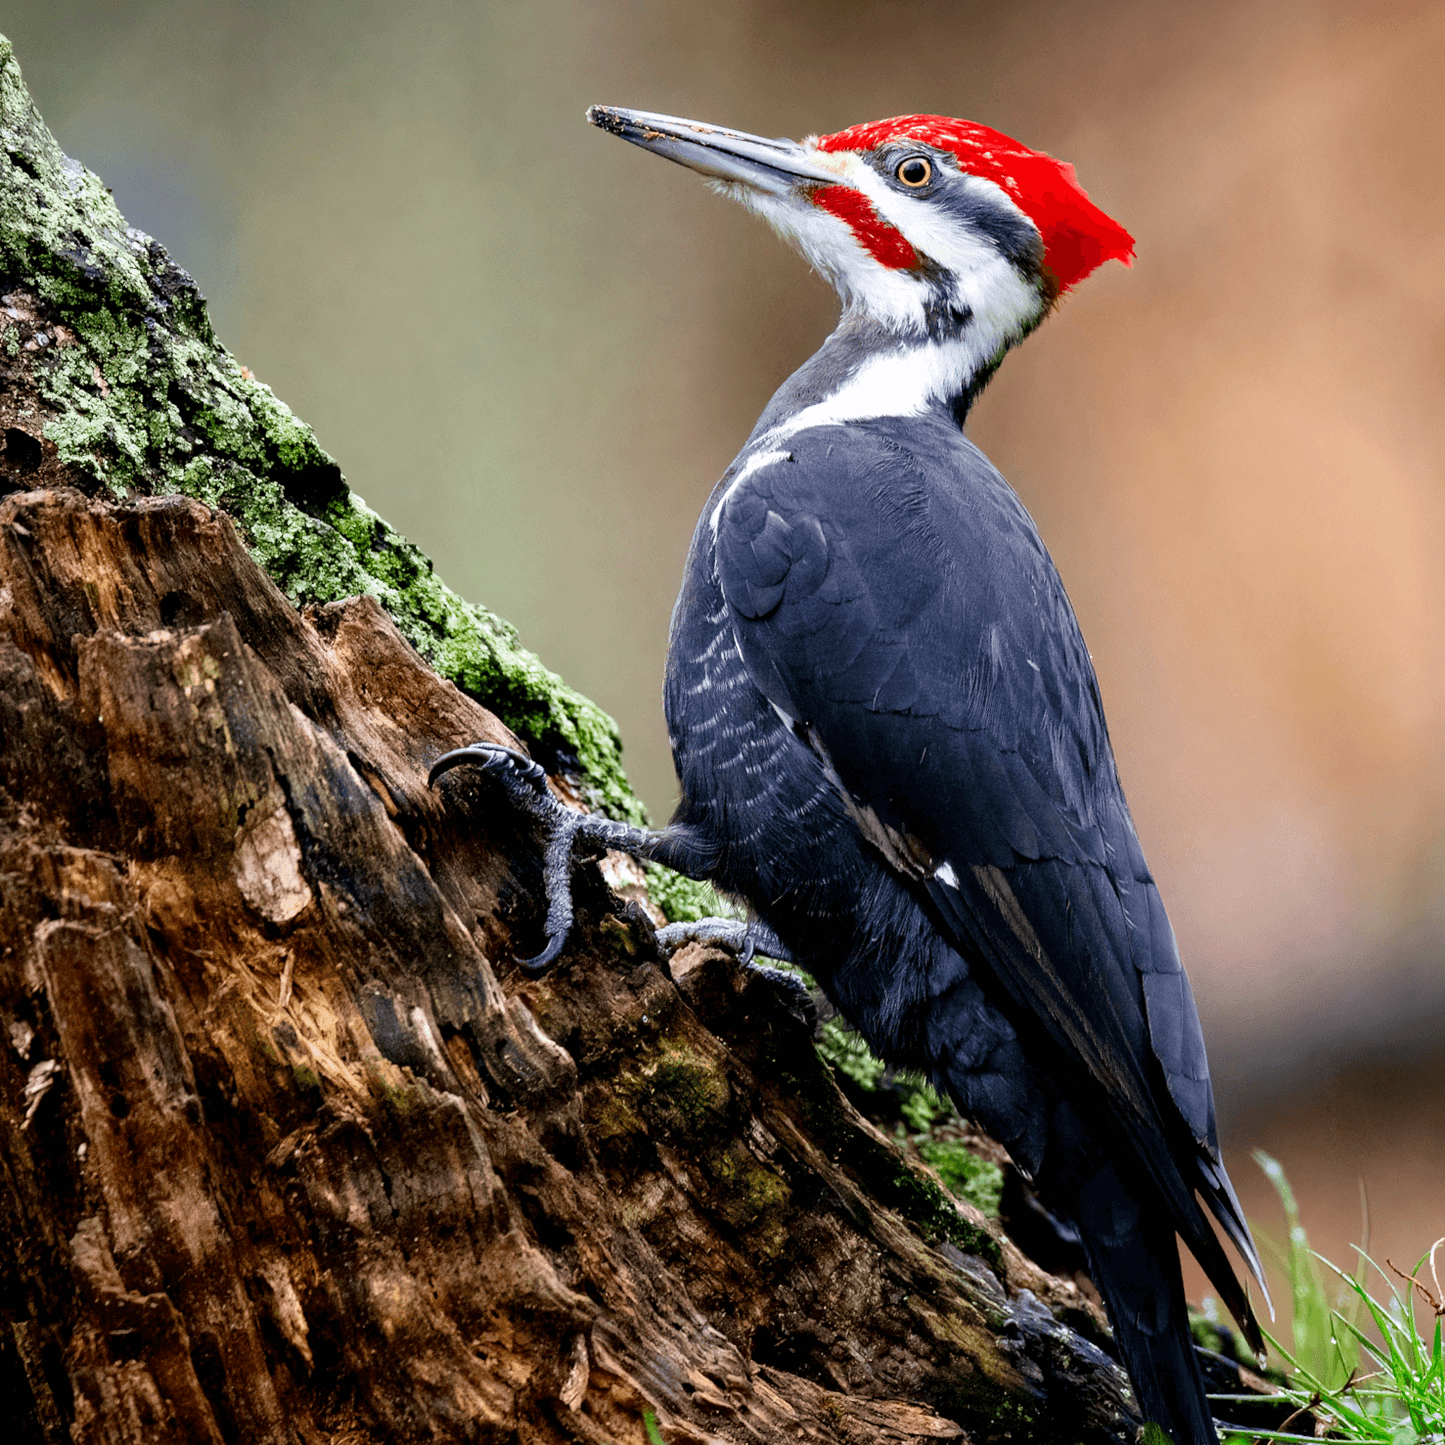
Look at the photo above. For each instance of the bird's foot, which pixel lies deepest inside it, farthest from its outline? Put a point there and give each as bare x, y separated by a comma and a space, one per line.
524, 780
565, 831
747, 941
743, 939
562, 828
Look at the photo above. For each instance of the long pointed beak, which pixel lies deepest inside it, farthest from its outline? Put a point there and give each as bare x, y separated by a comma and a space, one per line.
775, 167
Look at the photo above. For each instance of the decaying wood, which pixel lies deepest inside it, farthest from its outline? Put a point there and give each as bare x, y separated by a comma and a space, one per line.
288, 1160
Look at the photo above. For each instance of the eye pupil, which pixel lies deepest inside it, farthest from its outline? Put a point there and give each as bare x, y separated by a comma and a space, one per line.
915, 171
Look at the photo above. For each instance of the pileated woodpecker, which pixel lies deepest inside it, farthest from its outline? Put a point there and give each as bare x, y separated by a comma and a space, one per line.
887, 728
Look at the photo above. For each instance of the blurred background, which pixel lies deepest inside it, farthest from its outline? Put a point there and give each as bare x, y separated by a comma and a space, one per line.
534, 348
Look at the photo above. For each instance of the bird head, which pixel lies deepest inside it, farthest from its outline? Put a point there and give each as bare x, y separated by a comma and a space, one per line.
924, 225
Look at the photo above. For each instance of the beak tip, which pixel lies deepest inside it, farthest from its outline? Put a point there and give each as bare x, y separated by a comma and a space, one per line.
605, 117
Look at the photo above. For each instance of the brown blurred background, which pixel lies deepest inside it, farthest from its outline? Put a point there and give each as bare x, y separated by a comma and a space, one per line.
533, 348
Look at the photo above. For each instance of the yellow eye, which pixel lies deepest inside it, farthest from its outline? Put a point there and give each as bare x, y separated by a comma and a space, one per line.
915, 171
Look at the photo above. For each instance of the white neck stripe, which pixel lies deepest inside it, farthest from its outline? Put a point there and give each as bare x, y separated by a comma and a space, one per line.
902, 382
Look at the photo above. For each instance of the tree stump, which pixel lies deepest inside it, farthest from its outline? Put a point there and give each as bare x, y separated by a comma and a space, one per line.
291, 1151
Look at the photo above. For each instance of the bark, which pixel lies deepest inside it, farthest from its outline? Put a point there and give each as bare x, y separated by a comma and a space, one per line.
291, 1151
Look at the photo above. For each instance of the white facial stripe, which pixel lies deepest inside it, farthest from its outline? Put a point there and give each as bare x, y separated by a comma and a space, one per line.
936, 235
1001, 301
894, 298
908, 379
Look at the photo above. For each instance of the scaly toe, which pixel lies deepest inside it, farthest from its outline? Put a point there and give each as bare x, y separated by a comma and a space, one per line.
525, 783
725, 933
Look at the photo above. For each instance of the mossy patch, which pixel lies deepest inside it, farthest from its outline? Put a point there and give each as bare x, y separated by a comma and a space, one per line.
748, 1196
138, 397
683, 1095
613, 1118
845, 1050
1211, 1333
979, 1181
882, 1166
929, 1128
915, 1195
685, 900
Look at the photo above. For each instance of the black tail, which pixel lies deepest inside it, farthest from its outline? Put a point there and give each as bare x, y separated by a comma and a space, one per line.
1137, 1273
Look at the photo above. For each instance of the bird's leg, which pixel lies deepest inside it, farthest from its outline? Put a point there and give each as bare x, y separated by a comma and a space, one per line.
565, 831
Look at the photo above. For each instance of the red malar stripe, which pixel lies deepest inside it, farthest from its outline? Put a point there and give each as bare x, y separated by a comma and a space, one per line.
887, 243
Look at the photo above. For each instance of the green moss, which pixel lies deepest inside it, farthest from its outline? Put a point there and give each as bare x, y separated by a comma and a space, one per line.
614, 1118
846, 1051
139, 397
914, 1195
684, 1095
685, 900
1212, 1333
749, 1197
921, 1105
929, 1117
979, 1181
398, 1100
881, 1166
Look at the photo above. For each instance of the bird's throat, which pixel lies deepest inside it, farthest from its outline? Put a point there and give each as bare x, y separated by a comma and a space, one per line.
862, 371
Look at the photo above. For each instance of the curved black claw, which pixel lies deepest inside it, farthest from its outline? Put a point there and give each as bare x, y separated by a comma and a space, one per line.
495, 759
539, 963
526, 785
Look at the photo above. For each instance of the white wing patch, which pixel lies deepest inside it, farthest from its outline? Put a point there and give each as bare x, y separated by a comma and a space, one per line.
754, 463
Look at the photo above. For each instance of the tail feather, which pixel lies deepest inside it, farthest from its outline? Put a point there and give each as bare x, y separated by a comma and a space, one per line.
1204, 1245
1180, 1197
1139, 1277
1225, 1205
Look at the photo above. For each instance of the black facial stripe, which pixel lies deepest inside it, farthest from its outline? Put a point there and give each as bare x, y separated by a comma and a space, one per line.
1009, 233
1012, 235
942, 315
